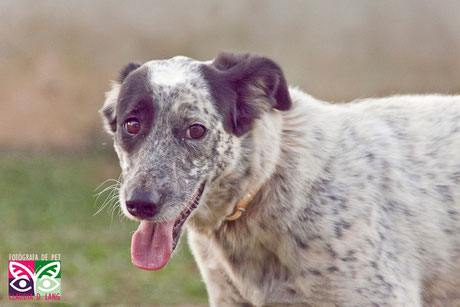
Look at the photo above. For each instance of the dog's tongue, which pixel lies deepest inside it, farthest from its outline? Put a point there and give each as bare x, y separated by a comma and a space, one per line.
151, 245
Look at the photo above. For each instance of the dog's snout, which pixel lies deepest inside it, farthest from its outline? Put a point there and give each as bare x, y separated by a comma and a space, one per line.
143, 204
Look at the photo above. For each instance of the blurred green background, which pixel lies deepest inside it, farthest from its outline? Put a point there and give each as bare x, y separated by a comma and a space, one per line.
56, 60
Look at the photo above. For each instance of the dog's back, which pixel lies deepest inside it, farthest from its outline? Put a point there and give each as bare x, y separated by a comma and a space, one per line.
426, 134
402, 155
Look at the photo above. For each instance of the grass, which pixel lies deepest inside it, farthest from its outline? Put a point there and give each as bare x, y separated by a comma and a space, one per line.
47, 205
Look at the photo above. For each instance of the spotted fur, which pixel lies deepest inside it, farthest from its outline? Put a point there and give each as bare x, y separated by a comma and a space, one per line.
359, 203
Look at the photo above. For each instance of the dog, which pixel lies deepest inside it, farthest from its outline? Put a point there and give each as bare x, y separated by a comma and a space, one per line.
288, 200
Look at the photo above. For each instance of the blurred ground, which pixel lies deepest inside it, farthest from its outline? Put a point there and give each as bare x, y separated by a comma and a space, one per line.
56, 60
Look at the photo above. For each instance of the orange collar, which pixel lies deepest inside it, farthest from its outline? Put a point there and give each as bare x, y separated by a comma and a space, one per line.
240, 207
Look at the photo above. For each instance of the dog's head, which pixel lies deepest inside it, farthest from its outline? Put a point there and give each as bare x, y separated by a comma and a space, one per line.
177, 126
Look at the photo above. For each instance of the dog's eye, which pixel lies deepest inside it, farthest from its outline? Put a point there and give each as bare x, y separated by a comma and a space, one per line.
196, 131
132, 126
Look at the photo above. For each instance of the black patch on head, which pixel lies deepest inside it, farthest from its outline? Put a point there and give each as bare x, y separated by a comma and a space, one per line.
126, 70
238, 81
135, 101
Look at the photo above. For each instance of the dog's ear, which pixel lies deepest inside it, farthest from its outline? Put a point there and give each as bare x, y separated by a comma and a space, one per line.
108, 111
126, 70
243, 86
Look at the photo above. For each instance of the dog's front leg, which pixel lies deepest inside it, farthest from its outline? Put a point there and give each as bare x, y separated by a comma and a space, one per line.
221, 290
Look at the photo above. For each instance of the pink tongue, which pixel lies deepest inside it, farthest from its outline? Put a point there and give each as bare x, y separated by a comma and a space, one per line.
151, 246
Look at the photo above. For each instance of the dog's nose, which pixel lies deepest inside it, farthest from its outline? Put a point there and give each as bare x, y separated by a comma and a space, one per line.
143, 204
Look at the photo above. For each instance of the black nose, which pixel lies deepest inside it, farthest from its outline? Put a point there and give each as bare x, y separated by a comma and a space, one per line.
143, 204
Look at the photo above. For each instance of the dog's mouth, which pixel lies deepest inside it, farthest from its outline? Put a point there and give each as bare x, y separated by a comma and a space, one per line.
153, 243
177, 229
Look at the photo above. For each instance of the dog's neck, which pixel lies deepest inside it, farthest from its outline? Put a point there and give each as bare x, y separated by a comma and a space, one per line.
263, 154
240, 207
271, 150
238, 187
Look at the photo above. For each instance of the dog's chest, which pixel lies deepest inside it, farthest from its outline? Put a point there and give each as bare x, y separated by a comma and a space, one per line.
256, 271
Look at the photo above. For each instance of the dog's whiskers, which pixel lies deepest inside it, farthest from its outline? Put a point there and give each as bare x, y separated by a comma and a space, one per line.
105, 181
112, 196
111, 187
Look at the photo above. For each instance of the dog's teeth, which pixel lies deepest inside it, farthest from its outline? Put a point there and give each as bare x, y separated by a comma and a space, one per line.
186, 212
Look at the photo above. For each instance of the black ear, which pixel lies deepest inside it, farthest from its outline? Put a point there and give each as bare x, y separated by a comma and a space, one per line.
126, 70
109, 116
108, 111
243, 86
